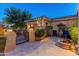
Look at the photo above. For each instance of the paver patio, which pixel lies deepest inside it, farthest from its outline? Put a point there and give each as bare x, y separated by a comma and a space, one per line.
45, 47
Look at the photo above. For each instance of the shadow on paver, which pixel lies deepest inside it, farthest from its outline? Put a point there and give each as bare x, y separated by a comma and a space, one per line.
56, 41
24, 49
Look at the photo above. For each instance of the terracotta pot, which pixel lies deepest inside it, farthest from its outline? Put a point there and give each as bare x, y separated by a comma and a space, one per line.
66, 46
37, 38
73, 48
43, 36
40, 38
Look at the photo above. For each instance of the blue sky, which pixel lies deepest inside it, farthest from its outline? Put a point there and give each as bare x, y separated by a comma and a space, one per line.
51, 10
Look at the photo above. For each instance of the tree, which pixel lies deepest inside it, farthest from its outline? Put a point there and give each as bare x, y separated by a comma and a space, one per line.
16, 16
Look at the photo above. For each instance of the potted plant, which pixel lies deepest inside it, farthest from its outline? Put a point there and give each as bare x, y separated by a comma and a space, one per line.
39, 34
74, 36
65, 44
70, 44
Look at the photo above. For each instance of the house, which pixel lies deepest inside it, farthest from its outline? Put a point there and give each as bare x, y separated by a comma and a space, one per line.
43, 21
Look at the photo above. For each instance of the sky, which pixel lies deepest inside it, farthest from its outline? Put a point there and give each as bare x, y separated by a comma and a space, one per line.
51, 10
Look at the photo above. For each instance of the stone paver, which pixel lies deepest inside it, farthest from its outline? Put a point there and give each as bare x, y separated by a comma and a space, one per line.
45, 47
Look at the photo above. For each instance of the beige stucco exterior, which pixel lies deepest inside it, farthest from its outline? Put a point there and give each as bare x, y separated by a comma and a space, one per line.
31, 32
31, 35
10, 41
68, 23
41, 22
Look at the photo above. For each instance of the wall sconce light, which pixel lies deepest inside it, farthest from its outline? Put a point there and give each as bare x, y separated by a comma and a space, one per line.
31, 26
9, 30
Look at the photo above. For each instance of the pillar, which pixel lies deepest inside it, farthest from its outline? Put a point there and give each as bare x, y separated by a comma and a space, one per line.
31, 35
10, 41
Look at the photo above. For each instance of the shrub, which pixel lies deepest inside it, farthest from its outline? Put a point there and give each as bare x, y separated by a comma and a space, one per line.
73, 33
2, 43
39, 32
49, 28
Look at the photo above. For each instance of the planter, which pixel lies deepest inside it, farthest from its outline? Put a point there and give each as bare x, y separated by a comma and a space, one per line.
43, 36
66, 46
39, 34
2, 44
73, 48
40, 38
37, 38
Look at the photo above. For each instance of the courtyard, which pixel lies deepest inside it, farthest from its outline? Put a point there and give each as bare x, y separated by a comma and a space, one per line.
21, 34
45, 47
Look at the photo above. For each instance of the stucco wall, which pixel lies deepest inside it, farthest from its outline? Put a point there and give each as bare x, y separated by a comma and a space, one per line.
41, 22
68, 23
10, 42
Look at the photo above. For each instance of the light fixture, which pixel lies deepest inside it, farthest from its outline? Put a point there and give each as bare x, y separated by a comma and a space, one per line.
9, 30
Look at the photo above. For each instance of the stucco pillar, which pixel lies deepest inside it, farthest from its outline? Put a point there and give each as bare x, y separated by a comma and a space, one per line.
31, 35
10, 41
31, 32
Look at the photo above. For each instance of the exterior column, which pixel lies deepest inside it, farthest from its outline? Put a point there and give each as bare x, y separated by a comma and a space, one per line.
31, 35
10, 41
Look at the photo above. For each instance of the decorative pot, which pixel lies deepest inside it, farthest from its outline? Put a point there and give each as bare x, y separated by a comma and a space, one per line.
68, 46
40, 38
65, 45
37, 38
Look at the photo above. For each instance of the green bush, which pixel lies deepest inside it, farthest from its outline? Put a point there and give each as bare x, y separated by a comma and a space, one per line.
49, 28
74, 33
2, 44
39, 32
